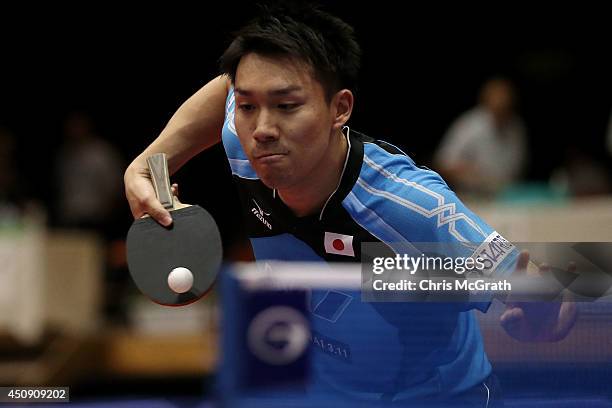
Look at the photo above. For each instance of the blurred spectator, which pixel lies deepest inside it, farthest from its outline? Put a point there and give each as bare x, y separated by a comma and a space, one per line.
90, 197
89, 176
484, 150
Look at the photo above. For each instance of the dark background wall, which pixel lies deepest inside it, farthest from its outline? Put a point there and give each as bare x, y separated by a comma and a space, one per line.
131, 69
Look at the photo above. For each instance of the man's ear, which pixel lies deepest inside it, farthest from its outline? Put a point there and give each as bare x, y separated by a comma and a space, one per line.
343, 107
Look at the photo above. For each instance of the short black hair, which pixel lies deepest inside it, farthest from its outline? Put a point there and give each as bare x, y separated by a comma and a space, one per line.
324, 42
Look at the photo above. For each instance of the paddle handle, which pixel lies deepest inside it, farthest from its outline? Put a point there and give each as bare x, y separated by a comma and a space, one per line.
160, 177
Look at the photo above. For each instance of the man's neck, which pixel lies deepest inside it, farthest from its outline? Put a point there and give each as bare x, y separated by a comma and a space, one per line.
310, 196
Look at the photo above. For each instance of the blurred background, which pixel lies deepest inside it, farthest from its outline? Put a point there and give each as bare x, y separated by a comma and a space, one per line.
513, 107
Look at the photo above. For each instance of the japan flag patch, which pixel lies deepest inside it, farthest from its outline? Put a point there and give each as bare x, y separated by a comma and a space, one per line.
339, 244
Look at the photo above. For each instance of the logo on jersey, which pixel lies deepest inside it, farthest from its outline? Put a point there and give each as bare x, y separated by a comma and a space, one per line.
493, 251
261, 215
339, 244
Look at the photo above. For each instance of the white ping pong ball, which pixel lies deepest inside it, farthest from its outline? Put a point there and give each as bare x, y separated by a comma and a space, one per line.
180, 280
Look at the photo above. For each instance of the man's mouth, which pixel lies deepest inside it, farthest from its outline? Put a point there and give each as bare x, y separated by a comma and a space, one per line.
269, 155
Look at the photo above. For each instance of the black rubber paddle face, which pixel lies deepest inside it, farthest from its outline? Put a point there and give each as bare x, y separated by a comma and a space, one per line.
153, 251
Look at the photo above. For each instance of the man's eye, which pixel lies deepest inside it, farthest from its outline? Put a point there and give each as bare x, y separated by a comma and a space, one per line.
245, 107
287, 106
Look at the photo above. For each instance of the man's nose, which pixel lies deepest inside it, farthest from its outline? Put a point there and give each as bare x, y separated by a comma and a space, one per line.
266, 128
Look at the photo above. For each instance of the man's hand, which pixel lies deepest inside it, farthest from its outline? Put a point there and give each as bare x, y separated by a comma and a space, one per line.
539, 321
141, 195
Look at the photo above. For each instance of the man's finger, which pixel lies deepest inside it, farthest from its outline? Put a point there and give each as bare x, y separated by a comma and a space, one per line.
136, 209
158, 212
511, 316
522, 262
568, 313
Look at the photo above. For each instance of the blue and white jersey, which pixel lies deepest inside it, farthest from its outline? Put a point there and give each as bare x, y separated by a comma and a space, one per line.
374, 350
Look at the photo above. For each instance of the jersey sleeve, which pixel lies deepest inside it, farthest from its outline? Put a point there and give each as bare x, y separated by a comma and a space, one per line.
417, 207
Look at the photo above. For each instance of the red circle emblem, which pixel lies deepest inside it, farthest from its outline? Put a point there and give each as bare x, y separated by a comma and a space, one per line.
338, 244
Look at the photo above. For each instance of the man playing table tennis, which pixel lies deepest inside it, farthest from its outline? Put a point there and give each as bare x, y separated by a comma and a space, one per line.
313, 190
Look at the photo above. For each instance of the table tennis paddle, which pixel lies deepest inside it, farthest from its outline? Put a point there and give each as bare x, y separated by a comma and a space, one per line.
162, 260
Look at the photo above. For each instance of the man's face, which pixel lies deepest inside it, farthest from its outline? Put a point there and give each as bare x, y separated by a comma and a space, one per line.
283, 120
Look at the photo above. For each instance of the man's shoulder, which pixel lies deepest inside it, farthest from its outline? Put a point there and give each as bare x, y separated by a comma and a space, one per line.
387, 166
392, 185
